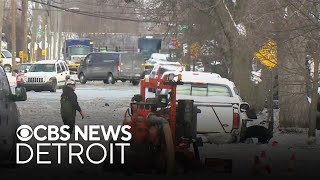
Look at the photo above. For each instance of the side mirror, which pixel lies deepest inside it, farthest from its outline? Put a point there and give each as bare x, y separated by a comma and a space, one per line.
244, 107
20, 95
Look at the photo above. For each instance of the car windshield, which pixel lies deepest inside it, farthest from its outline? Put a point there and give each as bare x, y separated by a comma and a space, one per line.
195, 89
7, 54
24, 67
42, 68
79, 50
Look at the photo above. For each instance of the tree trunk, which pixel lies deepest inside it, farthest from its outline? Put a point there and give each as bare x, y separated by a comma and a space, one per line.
314, 97
25, 30
1, 20
13, 35
35, 28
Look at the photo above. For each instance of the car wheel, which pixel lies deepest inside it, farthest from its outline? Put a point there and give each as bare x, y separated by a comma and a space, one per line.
7, 68
111, 79
106, 81
135, 82
123, 80
82, 79
53, 87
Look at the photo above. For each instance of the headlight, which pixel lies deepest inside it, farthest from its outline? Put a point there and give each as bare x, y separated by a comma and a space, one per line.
25, 79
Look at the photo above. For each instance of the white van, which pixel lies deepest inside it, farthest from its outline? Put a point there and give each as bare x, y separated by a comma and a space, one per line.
6, 58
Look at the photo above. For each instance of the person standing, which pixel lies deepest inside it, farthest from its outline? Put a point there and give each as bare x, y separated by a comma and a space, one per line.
69, 105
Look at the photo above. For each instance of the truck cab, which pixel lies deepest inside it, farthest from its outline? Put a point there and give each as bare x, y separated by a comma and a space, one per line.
224, 114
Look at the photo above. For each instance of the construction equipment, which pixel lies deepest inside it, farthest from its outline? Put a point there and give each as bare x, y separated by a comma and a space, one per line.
163, 131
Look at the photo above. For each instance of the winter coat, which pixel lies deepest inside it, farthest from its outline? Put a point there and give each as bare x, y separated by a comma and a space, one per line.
69, 102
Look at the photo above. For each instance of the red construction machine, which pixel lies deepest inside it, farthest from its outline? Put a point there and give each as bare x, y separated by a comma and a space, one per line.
163, 131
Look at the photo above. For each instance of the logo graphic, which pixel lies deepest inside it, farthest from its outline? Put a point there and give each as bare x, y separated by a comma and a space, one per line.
24, 133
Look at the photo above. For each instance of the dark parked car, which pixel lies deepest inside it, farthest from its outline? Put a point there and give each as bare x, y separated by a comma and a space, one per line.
111, 67
9, 117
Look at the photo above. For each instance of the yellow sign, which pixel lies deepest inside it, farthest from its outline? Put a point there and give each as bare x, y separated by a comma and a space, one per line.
25, 56
268, 54
21, 54
44, 52
195, 49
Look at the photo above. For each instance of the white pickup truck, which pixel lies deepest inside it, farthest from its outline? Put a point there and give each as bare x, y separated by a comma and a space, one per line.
6, 60
223, 114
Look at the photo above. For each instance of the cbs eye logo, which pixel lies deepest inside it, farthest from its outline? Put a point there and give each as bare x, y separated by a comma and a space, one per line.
24, 133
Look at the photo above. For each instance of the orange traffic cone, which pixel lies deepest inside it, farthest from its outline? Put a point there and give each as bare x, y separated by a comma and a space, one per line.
292, 164
266, 163
261, 164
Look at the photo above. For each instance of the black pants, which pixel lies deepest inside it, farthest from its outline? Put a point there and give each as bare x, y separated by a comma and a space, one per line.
69, 121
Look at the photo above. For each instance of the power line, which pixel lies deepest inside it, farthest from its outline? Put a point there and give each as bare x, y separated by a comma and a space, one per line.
98, 15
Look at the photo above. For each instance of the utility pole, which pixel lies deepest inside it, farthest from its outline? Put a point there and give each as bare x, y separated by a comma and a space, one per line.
59, 30
34, 34
13, 35
25, 30
44, 33
1, 18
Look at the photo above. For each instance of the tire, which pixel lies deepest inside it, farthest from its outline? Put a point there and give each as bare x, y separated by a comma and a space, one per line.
261, 133
7, 68
111, 79
54, 87
135, 82
106, 81
82, 78
123, 80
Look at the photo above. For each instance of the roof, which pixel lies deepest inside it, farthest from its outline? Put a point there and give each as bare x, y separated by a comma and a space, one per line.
47, 61
202, 77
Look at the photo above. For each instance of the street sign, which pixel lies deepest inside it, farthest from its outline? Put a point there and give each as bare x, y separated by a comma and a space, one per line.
183, 27
44, 53
268, 54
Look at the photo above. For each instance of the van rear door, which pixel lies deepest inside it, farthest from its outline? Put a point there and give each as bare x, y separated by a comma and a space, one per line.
130, 66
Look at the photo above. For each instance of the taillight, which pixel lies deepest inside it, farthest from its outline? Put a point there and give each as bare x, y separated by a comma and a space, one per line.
236, 120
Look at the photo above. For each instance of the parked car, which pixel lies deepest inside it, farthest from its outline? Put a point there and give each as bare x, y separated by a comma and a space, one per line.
161, 68
9, 117
222, 109
6, 58
111, 67
46, 75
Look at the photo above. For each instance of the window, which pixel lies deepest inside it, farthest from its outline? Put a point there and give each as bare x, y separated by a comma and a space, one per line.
95, 58
42, 68
4, 85
203, 90
59, 69
63, 67
7, 54
88, 59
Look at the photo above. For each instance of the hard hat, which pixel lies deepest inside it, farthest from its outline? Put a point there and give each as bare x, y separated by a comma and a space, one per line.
71, 82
